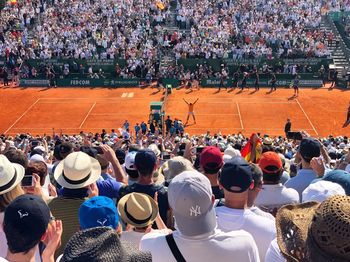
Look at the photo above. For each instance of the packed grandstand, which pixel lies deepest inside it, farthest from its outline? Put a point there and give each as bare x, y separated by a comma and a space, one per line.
151, 191
139, 35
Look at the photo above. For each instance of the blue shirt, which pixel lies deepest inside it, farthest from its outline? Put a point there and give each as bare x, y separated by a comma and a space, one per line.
301, 181
143, 126
172, 130
108, 188
137, 129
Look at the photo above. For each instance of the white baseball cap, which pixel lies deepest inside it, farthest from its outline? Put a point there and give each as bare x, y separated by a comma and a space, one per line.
130, 160
321, 190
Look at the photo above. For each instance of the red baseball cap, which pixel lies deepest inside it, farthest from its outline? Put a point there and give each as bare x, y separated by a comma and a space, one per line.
270, 163
211, 158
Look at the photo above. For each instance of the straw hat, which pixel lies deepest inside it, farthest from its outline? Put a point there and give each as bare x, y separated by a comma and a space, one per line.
11, 175
77, 170
175, 166
137, 209
315, 232
101, 244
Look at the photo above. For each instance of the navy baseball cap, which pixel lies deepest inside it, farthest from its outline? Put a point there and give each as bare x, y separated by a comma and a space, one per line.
98, 211
145, 160
236, 175
27, 217
120, 153
309, 148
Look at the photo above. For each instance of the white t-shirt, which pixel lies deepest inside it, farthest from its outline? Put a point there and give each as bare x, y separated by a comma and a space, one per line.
3, 260
3, 241
274, 254
262, 229
262, 213
215, 246
132, 237
272, 196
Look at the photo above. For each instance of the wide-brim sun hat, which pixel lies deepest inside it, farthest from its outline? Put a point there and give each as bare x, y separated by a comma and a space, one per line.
315, 231
137, 209
77, 170
101, 244
11, 174
175, 166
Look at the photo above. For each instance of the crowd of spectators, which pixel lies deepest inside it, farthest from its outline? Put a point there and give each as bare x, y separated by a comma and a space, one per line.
83, 30
134, 30
137, 32
144, 196
245, 29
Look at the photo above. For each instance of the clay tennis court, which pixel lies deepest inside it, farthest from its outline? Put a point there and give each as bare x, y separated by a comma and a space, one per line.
70, 110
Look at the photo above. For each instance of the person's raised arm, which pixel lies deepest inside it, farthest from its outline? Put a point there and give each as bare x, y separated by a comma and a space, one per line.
185, 100
324, 153
110, 156
159, 221
52, 240
196, 101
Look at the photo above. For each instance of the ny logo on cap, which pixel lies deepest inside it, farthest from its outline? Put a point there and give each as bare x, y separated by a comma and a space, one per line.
22, 215
102, 223
196, 211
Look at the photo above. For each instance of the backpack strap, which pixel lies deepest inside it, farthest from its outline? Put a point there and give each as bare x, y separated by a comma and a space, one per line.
174, 249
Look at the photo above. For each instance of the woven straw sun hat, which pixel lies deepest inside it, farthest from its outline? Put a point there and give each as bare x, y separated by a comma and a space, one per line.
137, 209
101, 244
315, 231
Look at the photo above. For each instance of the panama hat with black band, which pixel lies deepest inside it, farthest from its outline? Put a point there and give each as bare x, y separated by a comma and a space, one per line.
137, 209
11, 175
77, 170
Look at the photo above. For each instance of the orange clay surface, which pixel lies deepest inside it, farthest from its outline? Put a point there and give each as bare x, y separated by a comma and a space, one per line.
36, 110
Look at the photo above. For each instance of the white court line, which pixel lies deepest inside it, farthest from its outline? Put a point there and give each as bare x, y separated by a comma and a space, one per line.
265, 102
241, 98
116, 114
272, 129
124, 94
113, 127
244, 102
240, 117
302, 109
67, 102
131, 94
89, 98
25, 112
63, 128
170, 113
88, 113
246, 128
211, 128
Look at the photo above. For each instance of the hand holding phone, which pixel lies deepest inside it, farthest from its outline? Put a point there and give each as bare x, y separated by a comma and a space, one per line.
294, 135
98, 150
27, 181
165, 156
